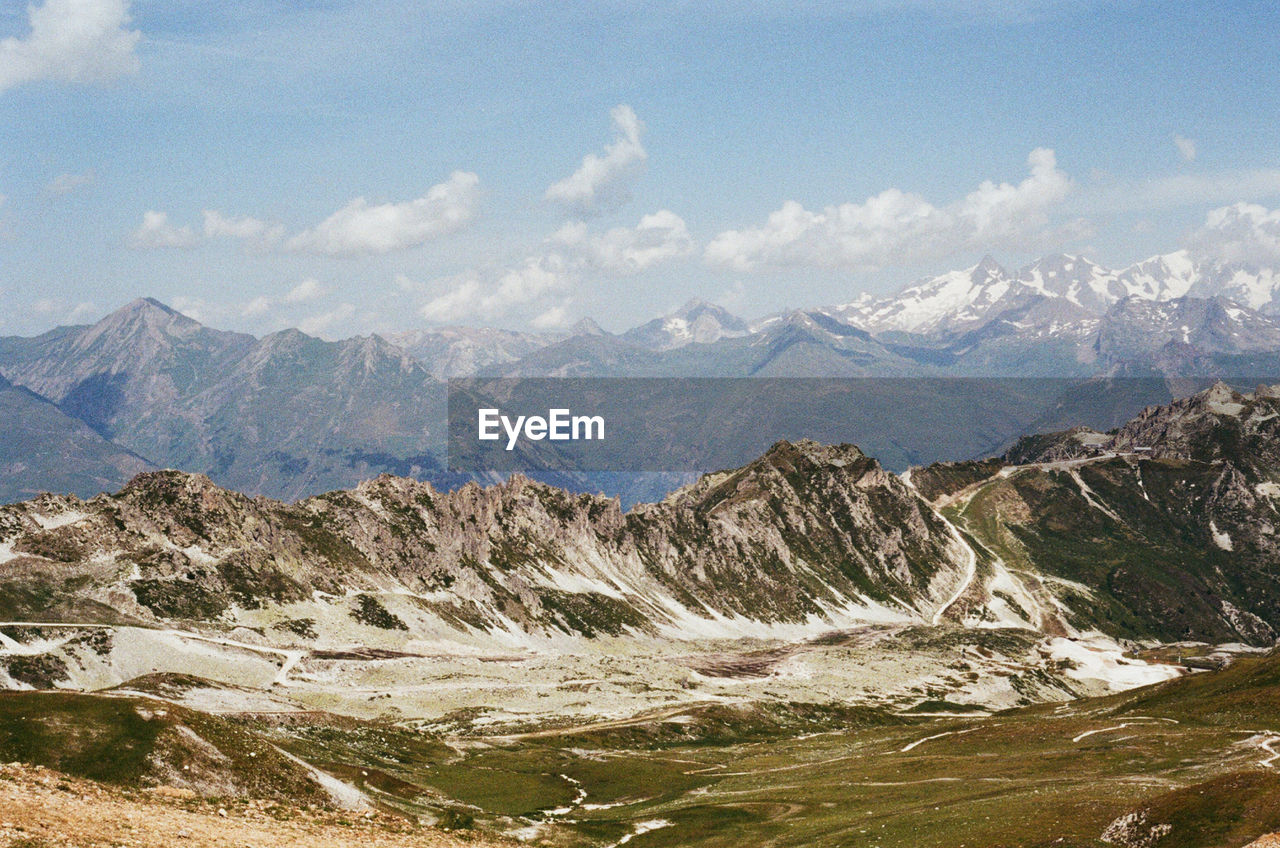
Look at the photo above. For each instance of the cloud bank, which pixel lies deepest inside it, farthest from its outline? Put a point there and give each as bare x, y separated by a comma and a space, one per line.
896, 227
84, 41
570, 255
1242, 232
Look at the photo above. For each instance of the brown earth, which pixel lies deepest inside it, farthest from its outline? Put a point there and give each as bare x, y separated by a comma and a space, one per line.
41, 808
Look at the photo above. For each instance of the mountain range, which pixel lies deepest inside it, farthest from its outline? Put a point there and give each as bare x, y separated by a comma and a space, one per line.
1164, 529
539, 662
289, 415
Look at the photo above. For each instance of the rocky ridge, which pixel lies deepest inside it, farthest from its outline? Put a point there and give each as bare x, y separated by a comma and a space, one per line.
804, 539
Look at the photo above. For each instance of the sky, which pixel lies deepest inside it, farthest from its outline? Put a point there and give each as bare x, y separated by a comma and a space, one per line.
355, 167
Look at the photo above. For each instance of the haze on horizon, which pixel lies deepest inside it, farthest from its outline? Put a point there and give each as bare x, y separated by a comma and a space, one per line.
349, 168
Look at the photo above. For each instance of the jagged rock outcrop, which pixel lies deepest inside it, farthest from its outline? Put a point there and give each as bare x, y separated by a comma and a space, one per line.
806, 536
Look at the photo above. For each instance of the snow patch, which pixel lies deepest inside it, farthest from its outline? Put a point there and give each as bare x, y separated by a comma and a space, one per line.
62, 519
1267, 489
1099, 658
641, 828
1222, 540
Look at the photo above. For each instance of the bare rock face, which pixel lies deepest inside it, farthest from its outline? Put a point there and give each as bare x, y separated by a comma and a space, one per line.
805, 535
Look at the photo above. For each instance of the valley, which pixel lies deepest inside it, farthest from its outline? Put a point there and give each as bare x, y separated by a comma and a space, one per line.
1071, 644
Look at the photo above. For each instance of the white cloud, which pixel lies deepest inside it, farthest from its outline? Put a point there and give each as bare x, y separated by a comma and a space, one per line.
71, 41
1186, 147
530, 280
67, 183
260, 234
572, 253
359, 228
305, 291
82, 311
459, 302
197, 308
659, 237
552, 319
70, 313
257, 307
155, 231
1243, 232
603, 182
900, 228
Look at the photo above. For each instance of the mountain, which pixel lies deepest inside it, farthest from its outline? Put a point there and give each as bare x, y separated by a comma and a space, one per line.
287, 414
467, 351
697, 322
960, 301
1163, 529
1139, 329
1160, 530
44, 449
131, 365
805, 537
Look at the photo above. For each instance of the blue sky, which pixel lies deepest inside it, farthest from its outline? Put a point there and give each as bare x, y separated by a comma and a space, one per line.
357, 167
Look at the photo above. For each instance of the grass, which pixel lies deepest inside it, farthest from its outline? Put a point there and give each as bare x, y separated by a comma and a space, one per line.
809, 775
136, 742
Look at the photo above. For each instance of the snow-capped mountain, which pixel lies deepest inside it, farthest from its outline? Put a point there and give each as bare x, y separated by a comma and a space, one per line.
697, 322
961, 301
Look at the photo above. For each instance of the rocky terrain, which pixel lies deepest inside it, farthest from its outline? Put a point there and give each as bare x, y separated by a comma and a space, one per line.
287, 413
546, 665
805, 537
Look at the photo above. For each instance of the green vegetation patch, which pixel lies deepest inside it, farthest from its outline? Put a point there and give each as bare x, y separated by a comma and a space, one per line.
369, 610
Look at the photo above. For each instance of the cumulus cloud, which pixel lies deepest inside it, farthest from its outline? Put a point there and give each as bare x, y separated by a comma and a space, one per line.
306, 291
552, 319
896, 227
197, 308
1243, 232
603, 181
658, 237
71, 41
66, 183
460, 301
260, 234
257, 307
359, 228
155, 232
572, 253
1186, 147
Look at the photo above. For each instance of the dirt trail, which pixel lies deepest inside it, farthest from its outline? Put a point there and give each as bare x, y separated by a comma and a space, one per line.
45, 808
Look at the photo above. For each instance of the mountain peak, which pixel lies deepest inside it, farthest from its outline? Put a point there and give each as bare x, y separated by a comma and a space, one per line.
147, 308
586, 327
990, 266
